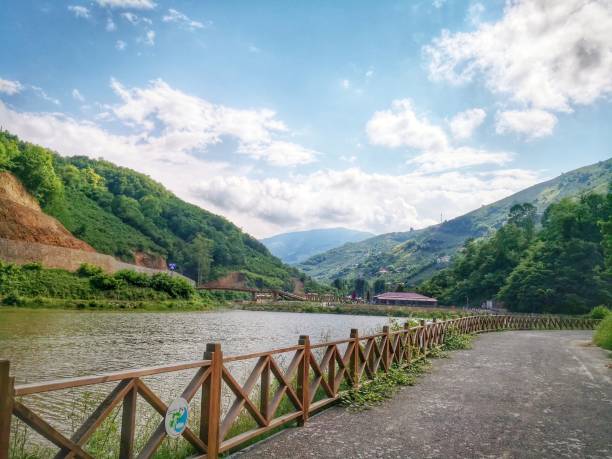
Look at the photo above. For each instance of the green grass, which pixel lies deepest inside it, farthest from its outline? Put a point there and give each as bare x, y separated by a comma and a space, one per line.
40, 303
603, 333
105, 441
454, 341
383, 386
32, 286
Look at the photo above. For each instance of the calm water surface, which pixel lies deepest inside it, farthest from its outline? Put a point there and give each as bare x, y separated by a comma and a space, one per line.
46, 345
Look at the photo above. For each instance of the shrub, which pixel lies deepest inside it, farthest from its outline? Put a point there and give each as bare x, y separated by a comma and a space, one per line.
104, 282
599, 312
33, 266
455, 340
133, 277
603, 333
88, 270
12, 299
176, 287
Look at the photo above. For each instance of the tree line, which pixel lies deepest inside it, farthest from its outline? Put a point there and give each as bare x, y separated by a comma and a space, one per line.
561, 264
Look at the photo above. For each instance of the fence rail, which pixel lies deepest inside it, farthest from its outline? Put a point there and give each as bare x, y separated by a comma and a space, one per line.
313, 379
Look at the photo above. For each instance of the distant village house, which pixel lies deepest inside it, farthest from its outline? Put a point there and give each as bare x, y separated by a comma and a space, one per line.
405, 299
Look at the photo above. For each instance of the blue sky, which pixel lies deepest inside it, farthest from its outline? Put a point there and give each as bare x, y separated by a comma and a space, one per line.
281, 116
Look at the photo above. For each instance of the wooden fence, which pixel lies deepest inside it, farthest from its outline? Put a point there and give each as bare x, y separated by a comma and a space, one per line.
314, 377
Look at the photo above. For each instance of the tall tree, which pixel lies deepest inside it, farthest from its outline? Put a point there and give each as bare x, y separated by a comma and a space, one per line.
201, 253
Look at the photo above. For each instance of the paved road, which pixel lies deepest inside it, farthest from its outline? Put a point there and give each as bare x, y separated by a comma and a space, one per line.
517, 394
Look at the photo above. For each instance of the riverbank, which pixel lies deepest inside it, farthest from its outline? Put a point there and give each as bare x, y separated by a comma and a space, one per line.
58, 304
355, 309
214, 303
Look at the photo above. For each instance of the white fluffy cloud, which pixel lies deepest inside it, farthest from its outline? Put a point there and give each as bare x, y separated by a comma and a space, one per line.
528, 123
163, 127
171, 125
352, 197
135, 4
10, 87
355, 198
457, 158
544, 54
79, 11
182, 19
191, 122
120, 45
463, 124
401, 126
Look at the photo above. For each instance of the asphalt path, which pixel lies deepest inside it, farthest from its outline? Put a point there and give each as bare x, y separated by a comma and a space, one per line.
516, 394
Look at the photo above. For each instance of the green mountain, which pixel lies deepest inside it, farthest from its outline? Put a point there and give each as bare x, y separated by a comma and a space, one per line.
298, 246
126, 214
415, 255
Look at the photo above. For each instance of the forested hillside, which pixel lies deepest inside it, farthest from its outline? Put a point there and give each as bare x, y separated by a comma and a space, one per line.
126, 214
565, 267
412, 256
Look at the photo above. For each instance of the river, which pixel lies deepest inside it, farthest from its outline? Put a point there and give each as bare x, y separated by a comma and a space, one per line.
45, 345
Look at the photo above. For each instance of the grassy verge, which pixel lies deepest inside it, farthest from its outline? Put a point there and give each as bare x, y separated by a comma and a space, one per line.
40, 303
32, 286
385, 385
354, 309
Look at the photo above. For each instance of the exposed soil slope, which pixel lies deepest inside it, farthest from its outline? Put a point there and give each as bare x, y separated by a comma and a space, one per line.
22, 219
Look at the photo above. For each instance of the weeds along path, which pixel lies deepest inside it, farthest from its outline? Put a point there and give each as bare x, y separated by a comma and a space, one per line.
515, 394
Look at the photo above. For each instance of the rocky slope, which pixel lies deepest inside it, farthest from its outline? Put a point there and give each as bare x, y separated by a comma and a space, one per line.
22, 219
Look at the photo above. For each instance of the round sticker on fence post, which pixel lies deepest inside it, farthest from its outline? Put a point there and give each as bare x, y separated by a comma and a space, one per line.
176, 417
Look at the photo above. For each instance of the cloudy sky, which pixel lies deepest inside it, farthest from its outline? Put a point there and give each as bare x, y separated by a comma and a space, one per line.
281, 115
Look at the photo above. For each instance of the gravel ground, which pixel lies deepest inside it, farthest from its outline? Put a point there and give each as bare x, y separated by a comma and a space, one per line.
517, 394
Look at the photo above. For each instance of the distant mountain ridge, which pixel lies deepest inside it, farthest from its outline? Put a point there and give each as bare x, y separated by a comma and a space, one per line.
414, 255
298, 246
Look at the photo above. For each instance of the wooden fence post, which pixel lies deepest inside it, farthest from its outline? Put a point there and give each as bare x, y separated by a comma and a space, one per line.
7, 385
331, 372
211, 401
423, 343
386, 348
407, 346
128, 424
354, 365
436, 337
303, 377
264, 391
